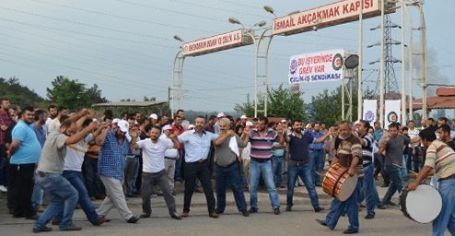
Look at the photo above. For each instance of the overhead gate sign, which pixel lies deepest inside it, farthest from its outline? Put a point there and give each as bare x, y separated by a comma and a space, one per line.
328, 15
215, 43
316, 67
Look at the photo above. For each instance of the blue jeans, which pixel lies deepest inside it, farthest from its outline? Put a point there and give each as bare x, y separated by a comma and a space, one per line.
318, 160
277, 169
446, 218
368, 189
350, 206
404, 168
131, 172
264, 169
37, 196
303, 171
75, 179
63, 198
229, 177
396, 182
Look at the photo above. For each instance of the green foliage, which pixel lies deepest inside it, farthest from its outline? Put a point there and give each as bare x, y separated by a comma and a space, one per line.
19, 94
72, 94
326, 106
281, 103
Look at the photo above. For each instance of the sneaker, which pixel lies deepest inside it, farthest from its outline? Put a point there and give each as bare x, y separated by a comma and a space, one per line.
288, 208
219, 212
253, 210
3, 189
176, 216
369, 216
72, 228
390, 203
381, 206
185, 214
133, 220
322, 222
245, 213
276, 211
40, 230
350, 231
55, 222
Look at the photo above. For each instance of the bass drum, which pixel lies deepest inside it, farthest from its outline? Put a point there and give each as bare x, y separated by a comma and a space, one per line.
422, 205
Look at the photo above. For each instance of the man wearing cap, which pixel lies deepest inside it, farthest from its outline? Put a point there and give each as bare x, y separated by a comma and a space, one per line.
153, 119
111, 164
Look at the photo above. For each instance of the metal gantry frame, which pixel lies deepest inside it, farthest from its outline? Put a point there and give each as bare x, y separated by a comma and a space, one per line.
261, 65
176, 90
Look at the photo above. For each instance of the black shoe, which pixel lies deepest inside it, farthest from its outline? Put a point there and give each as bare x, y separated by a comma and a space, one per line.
319, 209
99, 221
253, 210
369, 216
213, 215
350, 231
45, 229
55, 222
72, 228
219, 212
276, 211
322, 222
288, 208
176, 216
145, 215
390, 203
245, 213
33, 217
133, 220
381, 206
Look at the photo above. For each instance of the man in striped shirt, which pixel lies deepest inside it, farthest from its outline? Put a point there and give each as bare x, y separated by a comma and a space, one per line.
368, 186
440, 158
262, 139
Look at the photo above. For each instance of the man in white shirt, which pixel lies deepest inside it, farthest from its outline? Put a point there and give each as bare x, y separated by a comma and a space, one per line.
153, 171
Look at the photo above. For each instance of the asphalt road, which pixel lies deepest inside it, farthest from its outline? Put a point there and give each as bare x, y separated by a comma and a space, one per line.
301, 221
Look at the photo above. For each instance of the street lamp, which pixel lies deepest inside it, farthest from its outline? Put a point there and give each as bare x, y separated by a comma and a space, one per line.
176, 91
233, 20
176, 37
270, 10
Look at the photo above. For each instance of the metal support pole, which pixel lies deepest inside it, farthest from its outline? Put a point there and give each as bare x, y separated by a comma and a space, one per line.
381, 70
403, 83
262, 62
411, 64
359, 74
176, 90
423, 65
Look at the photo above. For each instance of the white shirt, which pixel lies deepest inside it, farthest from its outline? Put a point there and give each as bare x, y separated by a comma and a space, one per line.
153, 154
75, 153
412, 134
53, 126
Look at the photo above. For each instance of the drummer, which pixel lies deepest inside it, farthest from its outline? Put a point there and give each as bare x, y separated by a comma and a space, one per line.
440, 158
349, 155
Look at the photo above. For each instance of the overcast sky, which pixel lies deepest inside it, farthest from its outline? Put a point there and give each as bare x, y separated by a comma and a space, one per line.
127, 46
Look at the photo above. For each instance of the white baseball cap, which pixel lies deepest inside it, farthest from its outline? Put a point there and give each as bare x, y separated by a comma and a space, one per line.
153, 116
116, 120
167, 127
123, 126
243, 117
221, 114
249, 123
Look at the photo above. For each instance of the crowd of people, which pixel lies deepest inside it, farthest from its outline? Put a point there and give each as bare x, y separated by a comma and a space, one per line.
68, 159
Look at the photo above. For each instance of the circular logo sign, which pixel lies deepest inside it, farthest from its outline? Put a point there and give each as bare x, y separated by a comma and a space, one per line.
392, 117
337, 61
369, 116
293, 66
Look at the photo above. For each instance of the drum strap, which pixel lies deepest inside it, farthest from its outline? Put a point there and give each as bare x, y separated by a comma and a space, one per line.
336, 182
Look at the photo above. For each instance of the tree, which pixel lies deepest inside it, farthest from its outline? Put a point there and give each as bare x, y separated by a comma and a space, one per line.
72, 94
18, 94
281, 103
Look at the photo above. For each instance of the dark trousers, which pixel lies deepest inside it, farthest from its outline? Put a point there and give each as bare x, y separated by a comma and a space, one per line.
148, 181
193, 171
3, 165
381, 168
21, 189
92, 180
229, 177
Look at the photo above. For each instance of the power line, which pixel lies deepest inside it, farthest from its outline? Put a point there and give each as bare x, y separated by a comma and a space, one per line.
47, 28
85, 24
121, 17
154, 7
217, 9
